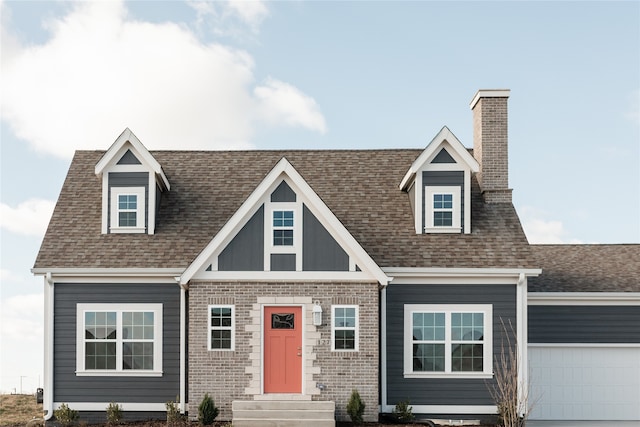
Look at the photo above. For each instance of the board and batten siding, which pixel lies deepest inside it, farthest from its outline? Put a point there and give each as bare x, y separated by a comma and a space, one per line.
67, 387
600, 324
441, 391
130, 179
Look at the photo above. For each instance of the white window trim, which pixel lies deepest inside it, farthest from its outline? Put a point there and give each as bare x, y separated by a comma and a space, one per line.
429, 209
269, 247
356, 329
119, 372
487, 341
232, 328
114, 227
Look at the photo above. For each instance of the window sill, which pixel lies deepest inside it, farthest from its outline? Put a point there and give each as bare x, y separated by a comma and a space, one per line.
461, 375
129, 230
118, 373
443, 229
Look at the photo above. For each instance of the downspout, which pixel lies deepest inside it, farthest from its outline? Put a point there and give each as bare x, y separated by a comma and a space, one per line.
183, 344
48, 347
521, 341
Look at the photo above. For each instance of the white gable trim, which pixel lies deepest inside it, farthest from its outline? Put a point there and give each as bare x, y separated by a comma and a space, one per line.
117, 150
281, 170
459, 153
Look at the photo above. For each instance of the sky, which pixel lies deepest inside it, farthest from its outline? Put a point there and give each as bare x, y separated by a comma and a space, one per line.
309, 75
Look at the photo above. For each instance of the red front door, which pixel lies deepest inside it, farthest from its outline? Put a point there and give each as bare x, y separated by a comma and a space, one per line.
283, 349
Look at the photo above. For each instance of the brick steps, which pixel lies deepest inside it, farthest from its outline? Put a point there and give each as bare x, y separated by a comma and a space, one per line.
282, 413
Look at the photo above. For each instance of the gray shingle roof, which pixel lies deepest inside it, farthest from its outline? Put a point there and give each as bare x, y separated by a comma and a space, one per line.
207, 187
587, 268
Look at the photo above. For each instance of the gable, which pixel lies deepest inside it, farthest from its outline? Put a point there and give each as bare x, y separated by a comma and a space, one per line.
129, 159
284, 230
443, 157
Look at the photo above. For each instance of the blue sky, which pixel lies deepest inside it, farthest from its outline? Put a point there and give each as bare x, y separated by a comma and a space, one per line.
271, 75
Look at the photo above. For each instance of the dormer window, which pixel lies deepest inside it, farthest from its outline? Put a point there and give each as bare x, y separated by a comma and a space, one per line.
439, 186
127, 210
442, 210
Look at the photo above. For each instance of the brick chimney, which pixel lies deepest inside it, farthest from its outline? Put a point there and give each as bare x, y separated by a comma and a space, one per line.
490, 143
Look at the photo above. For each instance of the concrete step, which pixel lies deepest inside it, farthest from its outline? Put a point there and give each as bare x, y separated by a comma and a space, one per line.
283, 413
279, 405
239, 422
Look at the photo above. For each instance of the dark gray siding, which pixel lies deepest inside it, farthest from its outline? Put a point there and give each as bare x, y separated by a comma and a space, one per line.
283, 262
70, 388
443, 157
283, 193
246, 251
129, 179
443, 178
434, 391
584, 324
128, 159
320, 251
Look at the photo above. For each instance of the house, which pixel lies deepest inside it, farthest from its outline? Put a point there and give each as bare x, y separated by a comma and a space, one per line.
285, 279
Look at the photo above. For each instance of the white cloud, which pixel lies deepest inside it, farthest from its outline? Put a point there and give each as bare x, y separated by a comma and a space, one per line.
229, 18
10, 276
541, 230
250, 11
101, 72
30, 217
21, 335
283, 103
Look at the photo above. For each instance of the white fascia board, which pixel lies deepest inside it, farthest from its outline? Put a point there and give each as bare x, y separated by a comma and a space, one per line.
583, 298
459, 153
314, 203
102, 275
140, 151
402, 272
279, 276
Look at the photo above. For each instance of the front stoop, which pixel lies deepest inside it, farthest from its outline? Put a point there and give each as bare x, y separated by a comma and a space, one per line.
280, 413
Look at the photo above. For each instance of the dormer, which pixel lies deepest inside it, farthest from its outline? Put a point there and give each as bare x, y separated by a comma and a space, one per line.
132, 182
439, 186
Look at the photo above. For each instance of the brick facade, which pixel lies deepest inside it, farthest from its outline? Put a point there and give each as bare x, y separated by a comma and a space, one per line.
236, 375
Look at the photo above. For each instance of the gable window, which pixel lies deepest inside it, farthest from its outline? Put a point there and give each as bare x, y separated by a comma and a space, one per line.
221, 327
344, 328
127, 210
119, 339
442, 209
448, 340
283, 228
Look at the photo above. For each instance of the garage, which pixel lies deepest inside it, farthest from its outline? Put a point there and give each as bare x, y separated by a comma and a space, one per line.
585, 382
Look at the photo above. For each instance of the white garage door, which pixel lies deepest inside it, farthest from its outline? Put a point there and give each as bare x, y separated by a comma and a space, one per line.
585, 383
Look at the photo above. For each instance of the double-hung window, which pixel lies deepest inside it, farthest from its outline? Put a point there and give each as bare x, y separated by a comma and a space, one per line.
448, 340
127, 210
221, 327
283, 227
442, 209
344, 328
119, 339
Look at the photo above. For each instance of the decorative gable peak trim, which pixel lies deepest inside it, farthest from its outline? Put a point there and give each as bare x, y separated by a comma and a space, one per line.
119, 149
284, 170
444, 139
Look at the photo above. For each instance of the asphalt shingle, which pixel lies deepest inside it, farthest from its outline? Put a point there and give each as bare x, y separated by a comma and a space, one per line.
207, 187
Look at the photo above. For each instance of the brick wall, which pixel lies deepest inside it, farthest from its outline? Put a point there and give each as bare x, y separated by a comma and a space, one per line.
235, 375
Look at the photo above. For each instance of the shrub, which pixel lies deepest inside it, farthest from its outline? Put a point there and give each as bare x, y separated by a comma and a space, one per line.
65, 415
114, 414
174, 417
402, 411
355, 407
207, 411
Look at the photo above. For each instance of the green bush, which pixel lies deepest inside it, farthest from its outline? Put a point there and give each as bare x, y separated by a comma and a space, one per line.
355, 407
207, 411
402, 411
114, 414
65, 415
